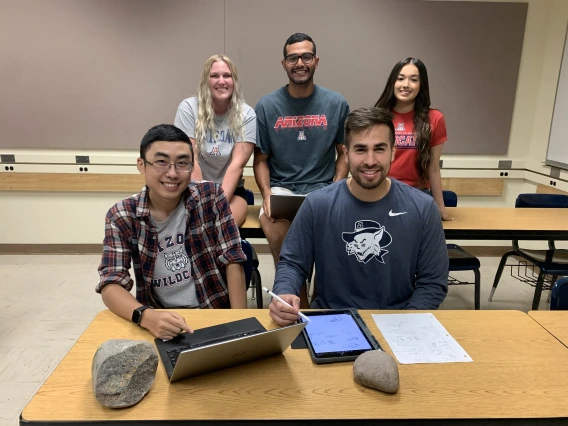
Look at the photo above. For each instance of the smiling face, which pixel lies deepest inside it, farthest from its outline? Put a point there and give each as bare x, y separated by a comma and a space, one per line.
165, 187
221, 83
407, 84
369, 156
300, 73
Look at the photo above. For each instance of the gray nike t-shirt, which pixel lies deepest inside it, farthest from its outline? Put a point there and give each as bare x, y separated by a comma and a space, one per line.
172, 283
385, 254
217, 149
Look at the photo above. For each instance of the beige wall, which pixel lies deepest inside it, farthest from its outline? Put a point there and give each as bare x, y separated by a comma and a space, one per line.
33, 218
554, 32
540, 66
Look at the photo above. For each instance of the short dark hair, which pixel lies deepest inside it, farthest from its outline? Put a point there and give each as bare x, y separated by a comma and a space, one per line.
364, 119
297, 38
163, 133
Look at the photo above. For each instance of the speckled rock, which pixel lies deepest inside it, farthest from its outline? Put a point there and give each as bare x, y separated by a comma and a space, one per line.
123, 372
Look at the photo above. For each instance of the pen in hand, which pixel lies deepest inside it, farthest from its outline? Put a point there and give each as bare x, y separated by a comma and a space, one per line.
284, 302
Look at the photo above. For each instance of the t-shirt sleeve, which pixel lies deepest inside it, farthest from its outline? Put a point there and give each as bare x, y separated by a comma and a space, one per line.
262, 140
185, 119
343, 117
439, 133
249, 126
432, 266
296, 255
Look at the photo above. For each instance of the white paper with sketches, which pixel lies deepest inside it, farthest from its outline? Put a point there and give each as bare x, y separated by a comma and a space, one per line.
419, 339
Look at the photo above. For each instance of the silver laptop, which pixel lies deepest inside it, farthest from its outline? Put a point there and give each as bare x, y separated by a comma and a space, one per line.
285, 206
202, 356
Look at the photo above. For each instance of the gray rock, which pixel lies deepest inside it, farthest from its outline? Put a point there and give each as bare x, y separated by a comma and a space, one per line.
377, 370
123, 372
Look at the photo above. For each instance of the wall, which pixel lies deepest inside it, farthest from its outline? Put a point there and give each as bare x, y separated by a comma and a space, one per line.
554, 32
94, 73
78, 218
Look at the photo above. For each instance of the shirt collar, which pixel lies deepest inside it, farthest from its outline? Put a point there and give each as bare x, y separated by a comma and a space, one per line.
190, 195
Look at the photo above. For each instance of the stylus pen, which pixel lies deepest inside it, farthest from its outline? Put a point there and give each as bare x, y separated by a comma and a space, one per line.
284, 302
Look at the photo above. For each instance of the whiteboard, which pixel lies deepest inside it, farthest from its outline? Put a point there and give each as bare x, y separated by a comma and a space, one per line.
557, 153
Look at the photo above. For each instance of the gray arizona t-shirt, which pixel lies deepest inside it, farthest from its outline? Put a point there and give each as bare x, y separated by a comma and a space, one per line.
216, 151
172, 283
299, 135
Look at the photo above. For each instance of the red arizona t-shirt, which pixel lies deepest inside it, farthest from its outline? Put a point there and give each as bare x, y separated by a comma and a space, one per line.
403, 168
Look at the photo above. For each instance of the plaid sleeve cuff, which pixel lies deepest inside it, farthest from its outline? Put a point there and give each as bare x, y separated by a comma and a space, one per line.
235, 255
116, 278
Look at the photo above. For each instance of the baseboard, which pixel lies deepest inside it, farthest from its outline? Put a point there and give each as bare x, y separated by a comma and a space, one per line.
487, 251
261, 248
479, 251
77, 248
51, 248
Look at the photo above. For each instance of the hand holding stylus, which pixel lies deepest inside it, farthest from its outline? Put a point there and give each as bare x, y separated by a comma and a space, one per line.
284, 309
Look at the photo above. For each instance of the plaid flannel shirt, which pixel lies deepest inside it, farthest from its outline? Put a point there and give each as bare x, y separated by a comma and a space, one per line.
212, 241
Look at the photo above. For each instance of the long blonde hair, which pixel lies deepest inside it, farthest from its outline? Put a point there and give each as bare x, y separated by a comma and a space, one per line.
206, 115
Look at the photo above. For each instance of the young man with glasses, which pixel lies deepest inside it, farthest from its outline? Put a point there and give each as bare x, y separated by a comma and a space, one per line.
180, 237
299, 132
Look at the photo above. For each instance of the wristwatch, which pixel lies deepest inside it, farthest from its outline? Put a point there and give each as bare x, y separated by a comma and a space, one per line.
137, 314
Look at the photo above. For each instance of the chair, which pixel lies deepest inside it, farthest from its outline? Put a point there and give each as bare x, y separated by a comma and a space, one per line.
250, 197
460, 259
252, 274
551, 263
559, 298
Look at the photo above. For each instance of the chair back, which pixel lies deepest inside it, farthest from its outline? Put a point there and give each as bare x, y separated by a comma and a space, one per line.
559, 297
450, 198
542, 201
249, 264
250, 197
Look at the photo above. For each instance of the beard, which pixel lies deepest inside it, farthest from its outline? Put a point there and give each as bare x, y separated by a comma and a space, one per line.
300, 80
368, 184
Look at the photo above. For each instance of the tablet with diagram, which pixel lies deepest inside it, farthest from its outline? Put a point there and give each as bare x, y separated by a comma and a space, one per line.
337, 336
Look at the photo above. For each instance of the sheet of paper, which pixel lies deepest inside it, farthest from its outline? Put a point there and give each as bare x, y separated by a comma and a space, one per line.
419, 339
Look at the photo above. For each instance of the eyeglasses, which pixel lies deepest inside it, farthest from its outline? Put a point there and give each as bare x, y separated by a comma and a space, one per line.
162, 166
307, 58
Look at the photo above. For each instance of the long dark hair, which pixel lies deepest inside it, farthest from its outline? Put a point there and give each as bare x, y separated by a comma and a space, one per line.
422, 130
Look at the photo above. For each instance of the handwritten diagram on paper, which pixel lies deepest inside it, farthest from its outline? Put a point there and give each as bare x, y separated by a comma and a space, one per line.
419, 339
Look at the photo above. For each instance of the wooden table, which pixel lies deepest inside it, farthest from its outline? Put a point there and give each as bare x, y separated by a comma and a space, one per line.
476, 223
519, 373
555, 322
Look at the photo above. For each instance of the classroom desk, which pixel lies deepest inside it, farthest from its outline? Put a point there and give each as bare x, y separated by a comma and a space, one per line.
518, 376
476, 223
555, 322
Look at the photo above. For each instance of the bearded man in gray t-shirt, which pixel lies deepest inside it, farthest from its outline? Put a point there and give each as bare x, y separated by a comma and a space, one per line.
299, 133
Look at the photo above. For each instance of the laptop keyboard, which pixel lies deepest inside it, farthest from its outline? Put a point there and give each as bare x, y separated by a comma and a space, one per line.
173, 354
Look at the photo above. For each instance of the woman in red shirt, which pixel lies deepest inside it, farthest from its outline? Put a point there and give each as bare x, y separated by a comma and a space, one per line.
420, 131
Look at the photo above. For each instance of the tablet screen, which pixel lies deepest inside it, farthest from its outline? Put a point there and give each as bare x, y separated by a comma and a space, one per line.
335, 333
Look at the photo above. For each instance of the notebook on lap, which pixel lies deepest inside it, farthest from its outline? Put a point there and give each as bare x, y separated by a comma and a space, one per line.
285, 206
221, 346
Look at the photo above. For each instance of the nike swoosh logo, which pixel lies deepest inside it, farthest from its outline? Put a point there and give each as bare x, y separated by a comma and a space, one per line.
396, 214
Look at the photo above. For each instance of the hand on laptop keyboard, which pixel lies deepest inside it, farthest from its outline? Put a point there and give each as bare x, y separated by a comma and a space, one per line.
164, 325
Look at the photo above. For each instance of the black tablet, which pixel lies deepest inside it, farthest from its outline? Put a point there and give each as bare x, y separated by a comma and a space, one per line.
337, 336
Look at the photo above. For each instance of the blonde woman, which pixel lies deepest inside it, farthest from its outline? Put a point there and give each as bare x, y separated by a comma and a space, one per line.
222, 129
